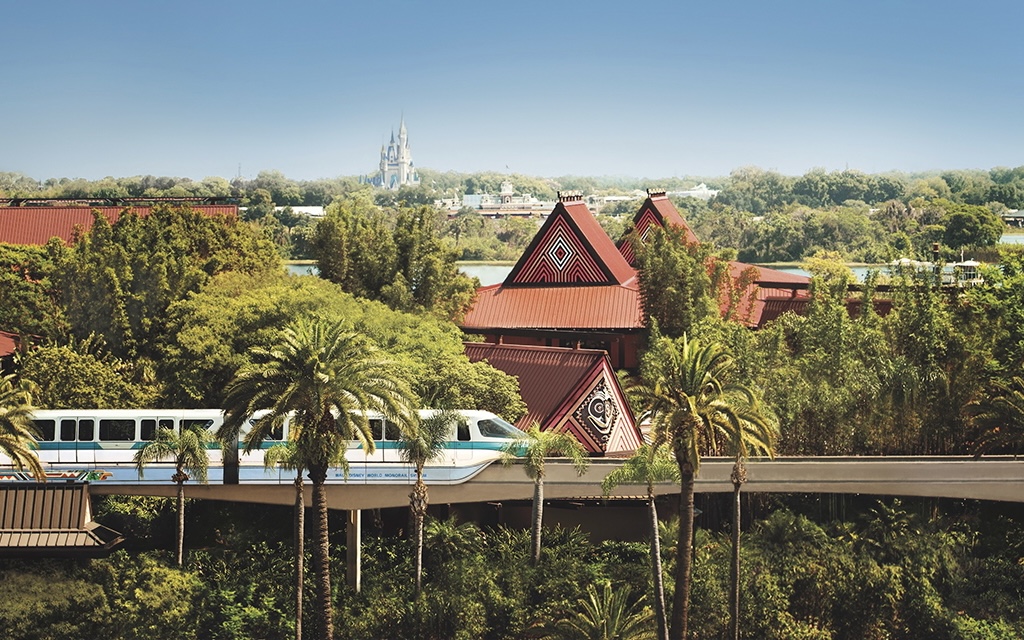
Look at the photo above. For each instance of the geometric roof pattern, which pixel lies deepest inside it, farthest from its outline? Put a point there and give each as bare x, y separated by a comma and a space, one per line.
567, 390
656, 211
570, 248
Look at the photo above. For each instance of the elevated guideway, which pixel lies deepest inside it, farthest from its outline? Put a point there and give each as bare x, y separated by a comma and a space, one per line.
988, 478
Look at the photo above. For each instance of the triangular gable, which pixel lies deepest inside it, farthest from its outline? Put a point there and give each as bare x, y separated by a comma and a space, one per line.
570, 248
567, 390
597, 414
656, 211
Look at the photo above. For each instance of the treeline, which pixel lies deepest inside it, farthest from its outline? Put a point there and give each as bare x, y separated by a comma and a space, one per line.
163, 310
917, 369
764, 215
905, 572
751, 189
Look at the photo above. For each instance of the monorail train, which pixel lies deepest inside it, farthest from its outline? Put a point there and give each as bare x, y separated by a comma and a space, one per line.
98, 445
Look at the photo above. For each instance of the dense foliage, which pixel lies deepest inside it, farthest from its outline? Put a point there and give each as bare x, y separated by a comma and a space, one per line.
890, 573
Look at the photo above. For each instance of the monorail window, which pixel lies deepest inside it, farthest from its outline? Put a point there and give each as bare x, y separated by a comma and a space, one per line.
148, 431
68, 430
391, 431
498, 428
276, 432
200, 424
46, 429
463, 431
117, 430
376, 429
86, 430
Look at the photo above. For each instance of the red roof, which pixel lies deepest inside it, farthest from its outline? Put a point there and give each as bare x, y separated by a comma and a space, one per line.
570, 248
36, 225
767, 275
656, 211
573, 391
8, 343
561, 307
547, 375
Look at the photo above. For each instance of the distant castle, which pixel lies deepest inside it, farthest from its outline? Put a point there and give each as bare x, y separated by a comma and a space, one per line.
396, 168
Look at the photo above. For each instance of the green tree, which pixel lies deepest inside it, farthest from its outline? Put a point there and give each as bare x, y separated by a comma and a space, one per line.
607, 614
677, 290
1001, 417
211, 333
750, 431
82, 375
971, 226
186, 448
17, 433
534, 449
694, 411
286, 455
649, 465
423, 442
28, 304
327, 378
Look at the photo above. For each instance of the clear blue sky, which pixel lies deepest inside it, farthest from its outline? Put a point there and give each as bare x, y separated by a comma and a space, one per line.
312, 89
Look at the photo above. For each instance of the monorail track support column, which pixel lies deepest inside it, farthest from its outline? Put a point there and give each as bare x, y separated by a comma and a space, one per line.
354, 549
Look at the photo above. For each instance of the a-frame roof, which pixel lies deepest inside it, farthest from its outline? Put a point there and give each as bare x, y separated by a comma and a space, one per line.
656, 211
570, 248
546, 374
568, 390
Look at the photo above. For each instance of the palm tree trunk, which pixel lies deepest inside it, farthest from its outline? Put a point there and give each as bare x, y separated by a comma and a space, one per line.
418, 500
739, 476
538, 519
684, 564
322, 552
181, 520
659, 584
300, 550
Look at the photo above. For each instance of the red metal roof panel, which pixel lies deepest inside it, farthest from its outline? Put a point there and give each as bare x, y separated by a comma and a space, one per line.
557, 307
547, 375
36, 225
571, 246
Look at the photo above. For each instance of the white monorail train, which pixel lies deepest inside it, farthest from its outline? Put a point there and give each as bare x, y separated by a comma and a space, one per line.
98, 445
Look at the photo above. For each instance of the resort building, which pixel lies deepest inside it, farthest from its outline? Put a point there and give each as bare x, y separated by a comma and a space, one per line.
575, 287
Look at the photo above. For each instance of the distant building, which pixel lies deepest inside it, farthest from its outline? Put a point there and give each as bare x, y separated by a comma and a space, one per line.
701, 192
396, 167
507, 202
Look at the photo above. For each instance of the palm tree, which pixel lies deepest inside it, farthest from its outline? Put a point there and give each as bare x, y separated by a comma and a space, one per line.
17, 432
534, 448
693, 412
605, 615
649, 465
419, 445
752, 431
187, 449
1002, 418
286, 455
326, 378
